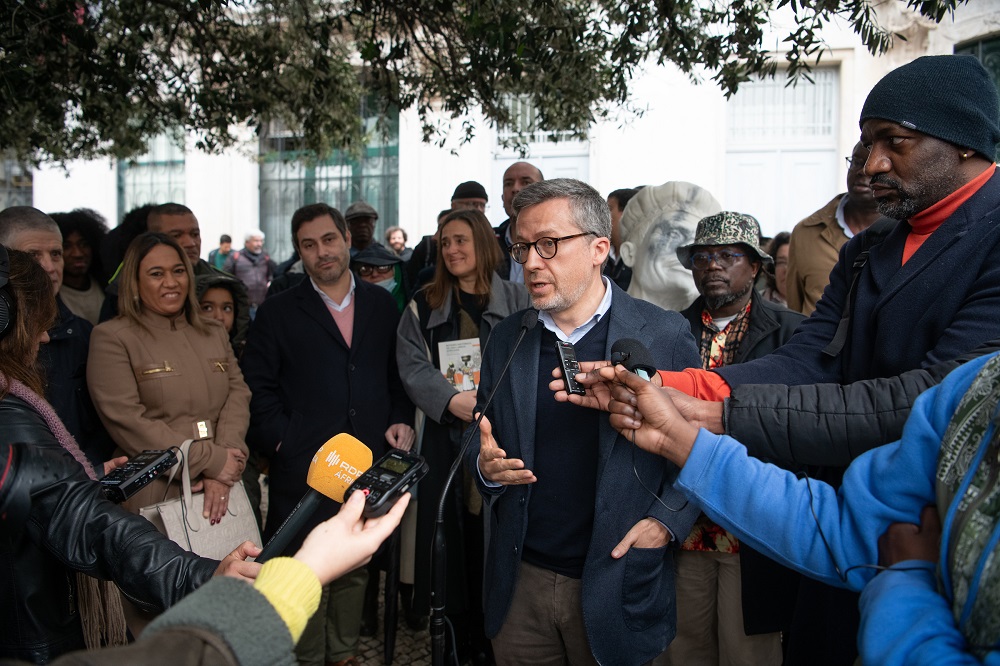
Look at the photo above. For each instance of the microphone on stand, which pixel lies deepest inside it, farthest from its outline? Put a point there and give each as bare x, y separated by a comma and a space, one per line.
332, 471
438, 548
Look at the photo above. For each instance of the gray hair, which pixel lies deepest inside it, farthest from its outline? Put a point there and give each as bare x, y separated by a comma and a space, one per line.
590, 210
17, 219
254, 233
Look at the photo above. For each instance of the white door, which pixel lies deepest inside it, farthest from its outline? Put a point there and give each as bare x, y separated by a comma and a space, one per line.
781, 149
779, 187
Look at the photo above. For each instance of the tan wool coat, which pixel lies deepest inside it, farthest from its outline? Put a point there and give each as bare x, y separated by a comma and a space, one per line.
152, 386
812, 253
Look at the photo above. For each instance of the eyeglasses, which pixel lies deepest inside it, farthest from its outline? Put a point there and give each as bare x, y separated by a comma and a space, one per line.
545, 246
856, 163
724, 258
364, 270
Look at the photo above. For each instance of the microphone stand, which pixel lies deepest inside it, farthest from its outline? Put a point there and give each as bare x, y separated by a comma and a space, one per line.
439, 568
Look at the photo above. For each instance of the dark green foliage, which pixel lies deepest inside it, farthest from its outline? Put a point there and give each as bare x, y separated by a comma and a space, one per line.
81, 78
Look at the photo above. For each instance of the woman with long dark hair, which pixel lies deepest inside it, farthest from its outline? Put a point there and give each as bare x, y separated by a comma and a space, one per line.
56, 598
463, 302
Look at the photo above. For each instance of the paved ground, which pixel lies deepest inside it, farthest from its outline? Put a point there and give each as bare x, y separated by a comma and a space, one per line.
412, 647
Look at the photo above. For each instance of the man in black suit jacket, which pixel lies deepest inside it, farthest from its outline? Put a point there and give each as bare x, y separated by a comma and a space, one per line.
321, 360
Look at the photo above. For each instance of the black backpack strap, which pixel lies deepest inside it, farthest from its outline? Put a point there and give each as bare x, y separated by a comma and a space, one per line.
873, 236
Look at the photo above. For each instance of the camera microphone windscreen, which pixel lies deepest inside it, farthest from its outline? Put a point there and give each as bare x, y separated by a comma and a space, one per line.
634, 356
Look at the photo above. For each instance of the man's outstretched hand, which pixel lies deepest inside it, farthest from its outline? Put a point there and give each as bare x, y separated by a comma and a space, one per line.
647, 417
597, 378
494, 464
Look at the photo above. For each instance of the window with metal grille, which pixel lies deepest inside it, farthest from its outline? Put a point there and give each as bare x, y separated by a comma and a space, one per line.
291, 178
525, 126
988, 53
771, 111
155, 177
15, 184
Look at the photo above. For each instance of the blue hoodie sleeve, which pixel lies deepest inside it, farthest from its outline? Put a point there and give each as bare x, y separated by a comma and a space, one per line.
906, 622
810, 526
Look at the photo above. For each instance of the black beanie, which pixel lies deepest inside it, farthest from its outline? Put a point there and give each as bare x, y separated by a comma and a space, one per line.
950, 97
470, 190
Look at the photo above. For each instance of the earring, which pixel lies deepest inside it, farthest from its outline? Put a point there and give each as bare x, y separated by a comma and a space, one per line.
965, 156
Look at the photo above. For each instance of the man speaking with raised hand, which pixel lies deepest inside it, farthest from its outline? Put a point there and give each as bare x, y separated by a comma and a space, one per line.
582, 525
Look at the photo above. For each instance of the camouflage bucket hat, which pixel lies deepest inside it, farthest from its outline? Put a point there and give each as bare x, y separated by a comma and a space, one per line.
726, 228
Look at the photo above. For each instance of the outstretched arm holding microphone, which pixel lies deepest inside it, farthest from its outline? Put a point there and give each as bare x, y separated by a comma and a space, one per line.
834, 536
228, 621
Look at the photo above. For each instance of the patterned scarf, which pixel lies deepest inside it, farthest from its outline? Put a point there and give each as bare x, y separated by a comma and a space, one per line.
967, 484
718, 348
99, 601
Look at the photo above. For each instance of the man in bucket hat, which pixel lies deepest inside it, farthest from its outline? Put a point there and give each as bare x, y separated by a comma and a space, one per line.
731, 601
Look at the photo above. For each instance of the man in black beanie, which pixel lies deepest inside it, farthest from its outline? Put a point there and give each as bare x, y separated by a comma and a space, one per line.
469, 194
903, 295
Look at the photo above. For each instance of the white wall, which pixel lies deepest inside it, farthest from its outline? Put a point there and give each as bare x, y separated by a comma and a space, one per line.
428, 174
223, 192
81, 184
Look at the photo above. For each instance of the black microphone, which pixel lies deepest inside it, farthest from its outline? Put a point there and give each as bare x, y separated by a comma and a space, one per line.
333, 469
634, 356
438, 549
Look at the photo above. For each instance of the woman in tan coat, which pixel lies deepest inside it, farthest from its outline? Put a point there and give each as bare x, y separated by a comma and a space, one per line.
160, 374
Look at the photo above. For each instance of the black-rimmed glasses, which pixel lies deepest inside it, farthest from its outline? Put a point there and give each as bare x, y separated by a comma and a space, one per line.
545, 246
365, 270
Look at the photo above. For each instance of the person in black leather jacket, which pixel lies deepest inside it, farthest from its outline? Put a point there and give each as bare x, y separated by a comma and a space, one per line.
71, 527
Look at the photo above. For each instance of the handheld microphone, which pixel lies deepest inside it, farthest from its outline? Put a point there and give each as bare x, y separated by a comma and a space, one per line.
438, 551
332, 471
634, 356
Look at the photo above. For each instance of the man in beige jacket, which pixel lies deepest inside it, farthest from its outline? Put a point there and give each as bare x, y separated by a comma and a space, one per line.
816, 240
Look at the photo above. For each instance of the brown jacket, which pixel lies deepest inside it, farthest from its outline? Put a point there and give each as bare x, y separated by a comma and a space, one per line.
812, 252
152, 386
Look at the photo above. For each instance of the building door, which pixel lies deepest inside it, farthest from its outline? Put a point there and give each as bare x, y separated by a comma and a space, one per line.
781, 149
566, 158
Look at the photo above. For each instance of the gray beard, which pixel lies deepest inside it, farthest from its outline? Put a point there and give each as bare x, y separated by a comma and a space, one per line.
918, 196
903, 209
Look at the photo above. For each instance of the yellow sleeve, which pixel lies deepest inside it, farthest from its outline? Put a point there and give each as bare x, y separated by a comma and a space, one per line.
293, 589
